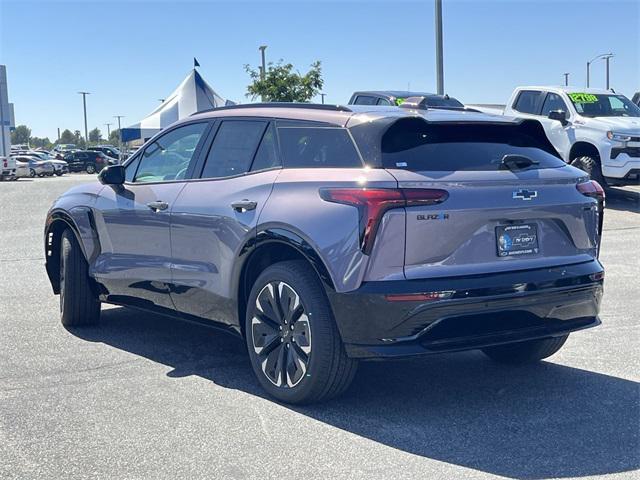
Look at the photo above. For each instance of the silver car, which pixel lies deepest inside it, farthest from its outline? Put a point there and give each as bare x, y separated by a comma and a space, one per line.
37, 167
323, 235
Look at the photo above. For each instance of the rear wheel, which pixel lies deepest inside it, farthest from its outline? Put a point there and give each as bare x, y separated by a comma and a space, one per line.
78, 304
91, 168
525, 352
32, 172
293, 342
591, 166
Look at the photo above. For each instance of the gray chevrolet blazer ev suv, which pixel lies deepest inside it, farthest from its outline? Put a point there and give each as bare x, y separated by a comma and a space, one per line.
326, 234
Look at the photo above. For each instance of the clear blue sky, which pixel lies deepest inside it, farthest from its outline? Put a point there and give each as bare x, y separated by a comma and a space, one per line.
129, 54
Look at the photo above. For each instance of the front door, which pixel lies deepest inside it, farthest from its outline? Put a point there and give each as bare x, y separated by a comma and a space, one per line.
132, 220
214, 217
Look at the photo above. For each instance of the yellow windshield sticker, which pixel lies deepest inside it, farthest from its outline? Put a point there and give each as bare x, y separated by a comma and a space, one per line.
399, 101
583, 98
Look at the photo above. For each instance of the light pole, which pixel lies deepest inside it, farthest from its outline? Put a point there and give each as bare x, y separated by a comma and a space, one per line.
602, 55
566, 79
606, 59
119, 137
108, 130
84, 104
263, 68
439, 60
322, 95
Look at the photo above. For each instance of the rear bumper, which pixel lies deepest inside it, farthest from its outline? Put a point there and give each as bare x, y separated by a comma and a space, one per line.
481, 310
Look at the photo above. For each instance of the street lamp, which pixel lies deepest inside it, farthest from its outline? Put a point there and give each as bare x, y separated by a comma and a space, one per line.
606, 56
108, 130
84, 104
322, 95
566, 79
263, 68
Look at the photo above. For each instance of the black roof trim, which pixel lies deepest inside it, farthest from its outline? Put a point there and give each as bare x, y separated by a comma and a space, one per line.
312, 106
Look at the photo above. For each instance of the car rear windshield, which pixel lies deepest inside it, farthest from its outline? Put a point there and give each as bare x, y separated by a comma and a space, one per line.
318, 147
413, 144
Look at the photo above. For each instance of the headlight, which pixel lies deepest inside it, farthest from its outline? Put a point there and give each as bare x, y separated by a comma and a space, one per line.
618, 137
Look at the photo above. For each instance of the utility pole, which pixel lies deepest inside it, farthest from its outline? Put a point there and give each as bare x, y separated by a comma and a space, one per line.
322, 95
58, 134
84, 104
439, 60
263, 68
119, 136
566, 79
108, 130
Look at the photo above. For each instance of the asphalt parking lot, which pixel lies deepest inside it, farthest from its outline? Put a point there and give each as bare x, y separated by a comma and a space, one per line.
142, 396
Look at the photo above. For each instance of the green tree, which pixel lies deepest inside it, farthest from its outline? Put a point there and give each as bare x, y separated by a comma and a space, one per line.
21, 135
95, 135
282, 84
37, 142
114, 137
67, 137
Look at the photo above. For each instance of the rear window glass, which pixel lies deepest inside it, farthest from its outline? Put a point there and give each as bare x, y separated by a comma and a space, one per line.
413, 144
310, 147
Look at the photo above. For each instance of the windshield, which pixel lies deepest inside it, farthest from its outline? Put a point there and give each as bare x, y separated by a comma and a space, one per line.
603, 105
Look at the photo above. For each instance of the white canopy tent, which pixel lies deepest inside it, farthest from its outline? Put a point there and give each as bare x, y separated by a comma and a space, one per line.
193, 95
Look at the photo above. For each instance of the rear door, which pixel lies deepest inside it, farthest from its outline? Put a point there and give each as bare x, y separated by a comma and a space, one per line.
133, 220
500, 214
216, 215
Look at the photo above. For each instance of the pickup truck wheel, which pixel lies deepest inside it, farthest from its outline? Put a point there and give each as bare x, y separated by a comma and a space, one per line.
91, 168
525, 352
591, 166
78, 304
293, 342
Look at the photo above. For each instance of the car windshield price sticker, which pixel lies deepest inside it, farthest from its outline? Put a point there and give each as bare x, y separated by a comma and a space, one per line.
583, 98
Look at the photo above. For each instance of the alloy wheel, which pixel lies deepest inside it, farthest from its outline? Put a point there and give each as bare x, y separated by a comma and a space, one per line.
281, 334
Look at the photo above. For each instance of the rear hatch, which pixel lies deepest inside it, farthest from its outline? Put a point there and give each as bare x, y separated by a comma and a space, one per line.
512, 204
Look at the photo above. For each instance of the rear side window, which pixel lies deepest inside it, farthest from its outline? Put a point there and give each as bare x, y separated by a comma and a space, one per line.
528, 102
233, 148
365, 100
413, 144
311, 147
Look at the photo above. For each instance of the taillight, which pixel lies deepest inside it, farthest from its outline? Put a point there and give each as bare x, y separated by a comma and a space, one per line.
591, 189
372, 203
5, 163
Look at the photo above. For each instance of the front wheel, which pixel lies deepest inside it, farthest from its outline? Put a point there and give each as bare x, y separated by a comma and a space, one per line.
91, 168
32, 173
293, 342
78, 304
525, 352
592, 167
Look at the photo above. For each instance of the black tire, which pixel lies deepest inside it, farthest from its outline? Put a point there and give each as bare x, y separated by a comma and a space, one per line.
59, 174
90, 168
326, 371
592, 167
79, 306
525, 352
32, 173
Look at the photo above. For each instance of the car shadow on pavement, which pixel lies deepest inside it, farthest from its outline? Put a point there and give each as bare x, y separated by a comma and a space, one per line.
535, 422
623, 199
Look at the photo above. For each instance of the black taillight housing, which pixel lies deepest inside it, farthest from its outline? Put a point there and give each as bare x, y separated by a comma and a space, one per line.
372, 203
593, 189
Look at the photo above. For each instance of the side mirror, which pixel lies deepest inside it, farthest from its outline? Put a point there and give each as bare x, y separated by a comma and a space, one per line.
112, 175
559, 115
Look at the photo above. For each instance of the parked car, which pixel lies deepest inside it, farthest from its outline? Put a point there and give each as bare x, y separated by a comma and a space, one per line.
395, 97
22, 169
325, 234
109, 150
60, 150
7, 168
87, 160
37, 167
636, 98
595, 130
60, 167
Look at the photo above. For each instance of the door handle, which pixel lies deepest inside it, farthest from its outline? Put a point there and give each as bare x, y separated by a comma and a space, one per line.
244, 205
158, 205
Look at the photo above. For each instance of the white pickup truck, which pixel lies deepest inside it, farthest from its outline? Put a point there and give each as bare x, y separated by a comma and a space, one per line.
595, 130
7, 168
